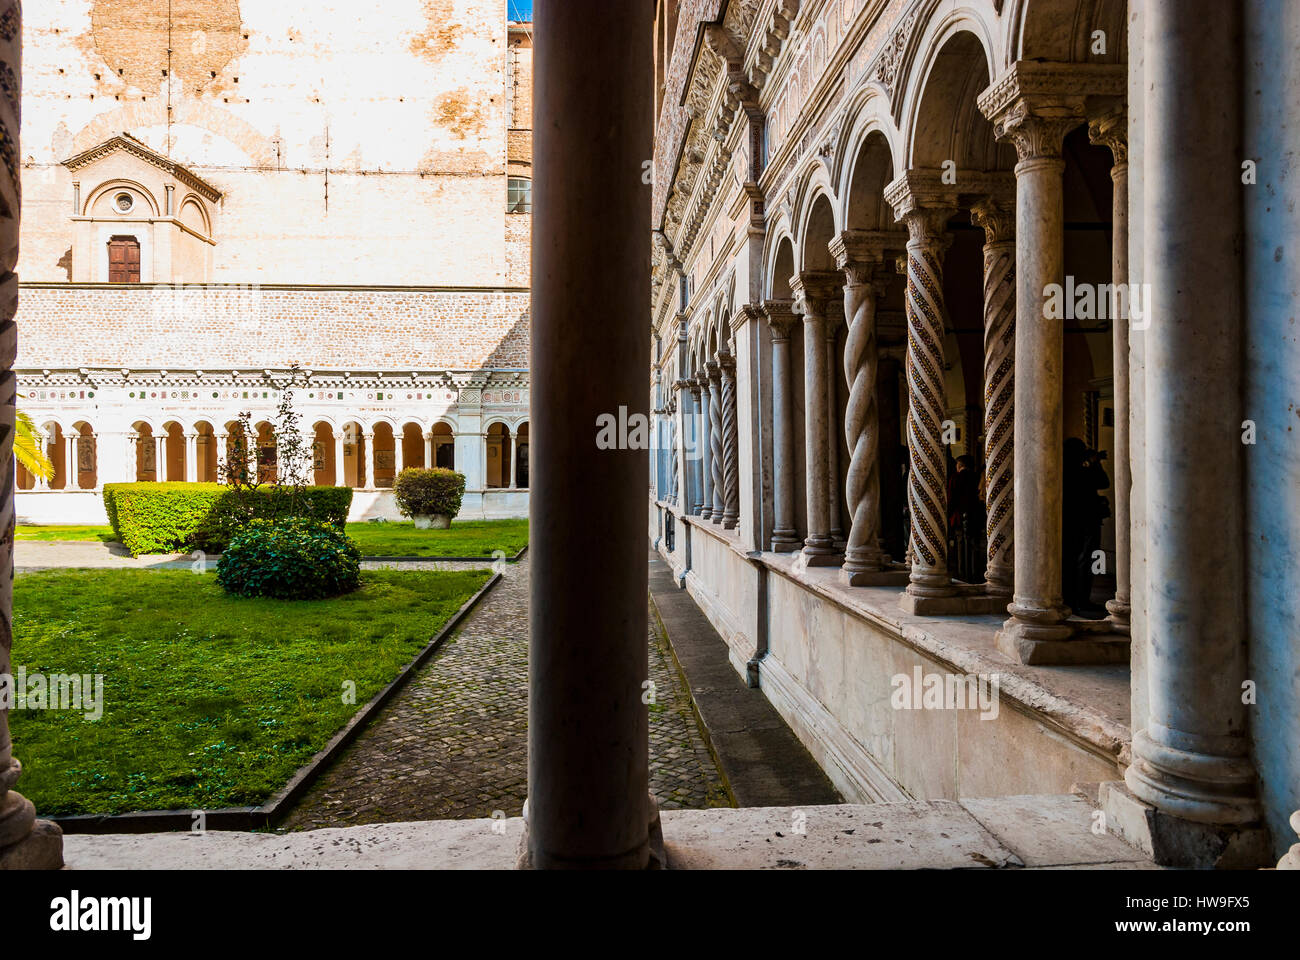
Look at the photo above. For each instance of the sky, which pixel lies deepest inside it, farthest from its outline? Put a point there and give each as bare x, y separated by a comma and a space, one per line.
520, 11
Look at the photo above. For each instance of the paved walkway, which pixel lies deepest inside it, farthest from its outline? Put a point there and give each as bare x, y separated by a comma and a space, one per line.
453, 743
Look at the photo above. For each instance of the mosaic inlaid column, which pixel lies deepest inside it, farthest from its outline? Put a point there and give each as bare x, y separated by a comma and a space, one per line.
716, 453
813, 292
1110, 130
25, 842
781, 319
834, 320
927, 492
707, 414
998, 220
730, 444
864, 283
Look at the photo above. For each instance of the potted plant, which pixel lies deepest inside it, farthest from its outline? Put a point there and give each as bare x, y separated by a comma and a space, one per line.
431, 498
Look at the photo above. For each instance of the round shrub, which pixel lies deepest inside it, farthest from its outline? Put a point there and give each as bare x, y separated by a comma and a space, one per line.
429, 493
296, 559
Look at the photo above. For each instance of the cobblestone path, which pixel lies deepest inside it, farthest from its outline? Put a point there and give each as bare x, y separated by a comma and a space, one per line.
452, 744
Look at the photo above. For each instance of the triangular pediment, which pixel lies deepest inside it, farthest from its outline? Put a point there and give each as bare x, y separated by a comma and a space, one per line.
125, 143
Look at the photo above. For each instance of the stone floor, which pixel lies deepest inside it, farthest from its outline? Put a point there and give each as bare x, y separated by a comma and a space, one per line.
453, 743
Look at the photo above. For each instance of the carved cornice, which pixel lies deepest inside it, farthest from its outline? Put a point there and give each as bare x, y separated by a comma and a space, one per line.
129, 144
1036, 103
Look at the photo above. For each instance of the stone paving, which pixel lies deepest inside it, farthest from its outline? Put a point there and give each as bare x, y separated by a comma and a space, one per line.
453, 743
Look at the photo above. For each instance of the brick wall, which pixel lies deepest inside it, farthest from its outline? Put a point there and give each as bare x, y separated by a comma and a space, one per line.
215, 326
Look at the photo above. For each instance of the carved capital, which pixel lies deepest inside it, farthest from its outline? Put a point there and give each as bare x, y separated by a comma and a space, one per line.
996, 216
714, 372
813, 292
1035, 104
859, 253
1111, 130
727, 365
780, 317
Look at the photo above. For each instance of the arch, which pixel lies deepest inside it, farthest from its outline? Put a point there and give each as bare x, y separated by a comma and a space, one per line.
205, 451
866, 116
384, 438
192, 201
324, 454
442, 436
412, 444
1063, 30
944, 122
499, 454
781, 270
355, 451
120, 183
866, 176
522, 437
819, 229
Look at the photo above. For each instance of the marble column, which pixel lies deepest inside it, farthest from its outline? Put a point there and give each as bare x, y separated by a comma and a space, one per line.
42, 441
160, 458
695, 456
834, 321
70, 462
781, 319
997, 218
707, 414
588, 726
717, 453
1192, 759
1110, 131
865, 279
428, 451
813, 292
340, 479
510, 461
369, 479
25, 842
927, 492
192, 457
1037, 613
730, 444
399, 454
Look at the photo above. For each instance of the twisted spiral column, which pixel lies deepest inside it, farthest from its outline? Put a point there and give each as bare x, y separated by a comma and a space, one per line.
998, 222
833, 420
730, 444
706, 448
716, 452
865, 283
927, 494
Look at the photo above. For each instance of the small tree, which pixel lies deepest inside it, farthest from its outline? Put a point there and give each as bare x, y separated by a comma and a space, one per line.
294, 454
429, 493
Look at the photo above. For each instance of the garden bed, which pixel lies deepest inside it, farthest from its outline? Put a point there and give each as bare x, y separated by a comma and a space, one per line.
209, 701
465, 539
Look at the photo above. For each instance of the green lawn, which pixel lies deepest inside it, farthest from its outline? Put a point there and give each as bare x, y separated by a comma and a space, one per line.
466, 538
61, 532
208, 700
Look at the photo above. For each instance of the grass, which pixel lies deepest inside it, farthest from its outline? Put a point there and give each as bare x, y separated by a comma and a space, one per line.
466, 538
208, 700
48, 532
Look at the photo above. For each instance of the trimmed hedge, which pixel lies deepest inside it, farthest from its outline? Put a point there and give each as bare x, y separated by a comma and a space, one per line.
293, 559
427, 493
180, 517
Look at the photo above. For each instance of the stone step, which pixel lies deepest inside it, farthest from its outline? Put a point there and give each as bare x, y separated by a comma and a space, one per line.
1033, 832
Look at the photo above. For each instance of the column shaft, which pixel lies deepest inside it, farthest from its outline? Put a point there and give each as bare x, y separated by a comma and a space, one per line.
785, 538
369, 483
812, 292
588, 728
833, 426
717, 453
706, 448
730, 445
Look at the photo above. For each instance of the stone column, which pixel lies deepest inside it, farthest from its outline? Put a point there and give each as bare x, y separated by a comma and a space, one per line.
132, 456
160, 458
717, 453
510, 460
25, 842
997, 218
1192, 760
43, 442
588, 740
1110, 130
695, 502
781, 320
221, 440
860, 259
73, 478
1037, 128
369, 478
192, 457
812, 292
931, 588
340, 478
730, 444
428, 451
707, 414
399, 454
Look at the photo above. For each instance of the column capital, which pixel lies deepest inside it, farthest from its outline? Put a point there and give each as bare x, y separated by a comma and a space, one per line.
743, 315
714, 371
1110, 129
859, 253
1035, 104
923, 203
780, 317
727, 364
996, 216
813, 290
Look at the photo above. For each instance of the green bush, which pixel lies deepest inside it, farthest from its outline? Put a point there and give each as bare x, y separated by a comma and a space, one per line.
427, 493
179, 517
293, 559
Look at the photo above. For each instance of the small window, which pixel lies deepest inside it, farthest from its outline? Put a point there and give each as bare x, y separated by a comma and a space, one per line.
123, 260
124, 202
519, 195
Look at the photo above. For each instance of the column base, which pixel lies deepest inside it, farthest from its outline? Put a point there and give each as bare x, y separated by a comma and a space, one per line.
1119, 618
1174, 842
1063, 643
786, 541
33, 844
658, 858
885, 577
806, 559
